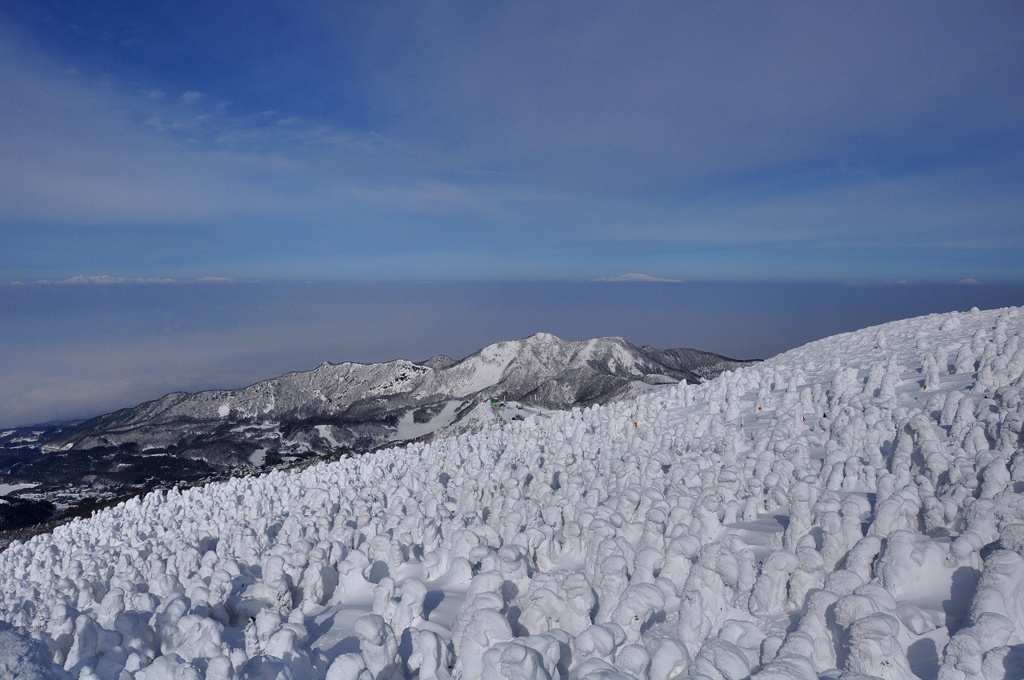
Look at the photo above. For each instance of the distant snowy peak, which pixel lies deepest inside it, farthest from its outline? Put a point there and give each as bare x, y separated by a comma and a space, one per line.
360, 406
637, 278
438, 362
507, 369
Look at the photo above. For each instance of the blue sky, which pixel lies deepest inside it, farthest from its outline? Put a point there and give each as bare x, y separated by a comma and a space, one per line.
512, 141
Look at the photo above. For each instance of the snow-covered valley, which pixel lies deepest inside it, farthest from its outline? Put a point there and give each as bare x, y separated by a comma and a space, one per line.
853, 508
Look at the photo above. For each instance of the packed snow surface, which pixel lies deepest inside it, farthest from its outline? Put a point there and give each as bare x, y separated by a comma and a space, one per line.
409, 429
853, 508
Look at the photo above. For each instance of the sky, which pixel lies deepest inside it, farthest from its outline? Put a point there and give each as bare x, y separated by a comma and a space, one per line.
512, 141
173, 145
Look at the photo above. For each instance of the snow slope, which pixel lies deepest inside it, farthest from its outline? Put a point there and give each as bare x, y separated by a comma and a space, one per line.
853, 508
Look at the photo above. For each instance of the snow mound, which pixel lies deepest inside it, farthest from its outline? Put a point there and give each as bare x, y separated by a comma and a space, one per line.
24, 658
853, 508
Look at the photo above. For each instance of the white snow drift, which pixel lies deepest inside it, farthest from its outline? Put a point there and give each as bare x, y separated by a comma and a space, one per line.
852, 508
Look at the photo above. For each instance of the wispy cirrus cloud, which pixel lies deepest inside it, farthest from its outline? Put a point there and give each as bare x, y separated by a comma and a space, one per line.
89, 152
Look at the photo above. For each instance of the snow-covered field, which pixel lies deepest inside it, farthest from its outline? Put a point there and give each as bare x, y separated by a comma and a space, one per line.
852, 508
11, 488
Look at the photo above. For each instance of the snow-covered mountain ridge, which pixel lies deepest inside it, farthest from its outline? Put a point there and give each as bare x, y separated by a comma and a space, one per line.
330, 411
853, 508
361, 404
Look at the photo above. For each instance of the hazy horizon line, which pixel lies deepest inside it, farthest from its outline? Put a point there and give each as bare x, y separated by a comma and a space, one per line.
629, 278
